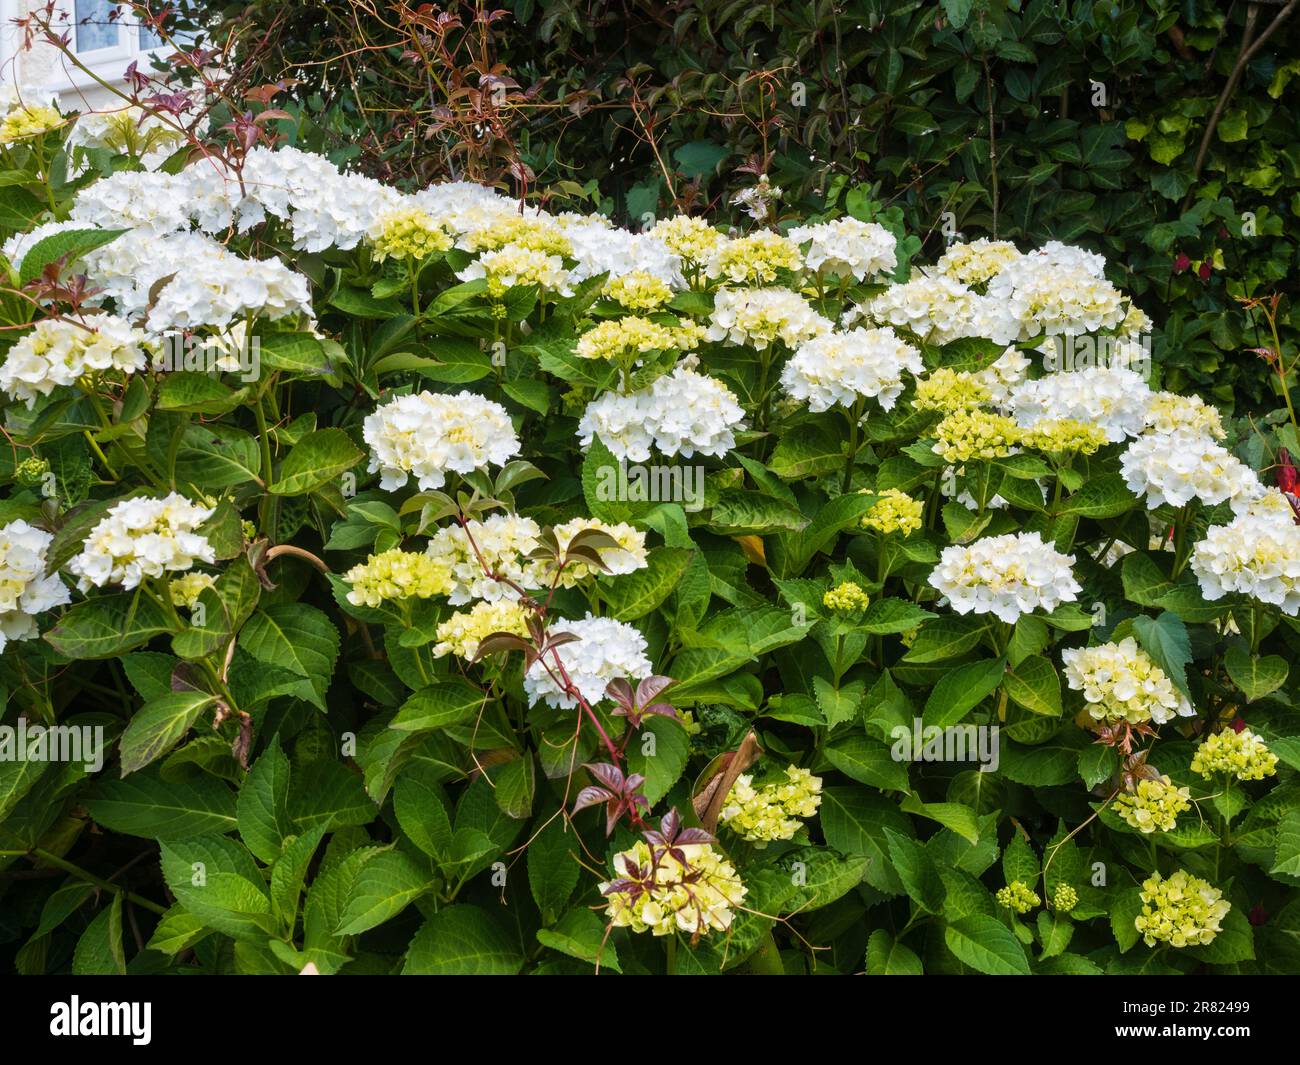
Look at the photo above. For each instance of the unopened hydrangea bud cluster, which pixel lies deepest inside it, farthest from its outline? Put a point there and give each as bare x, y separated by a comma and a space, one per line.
846, 597
1018, 896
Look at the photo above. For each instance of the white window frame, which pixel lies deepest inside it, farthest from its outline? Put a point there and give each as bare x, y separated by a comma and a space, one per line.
107, 64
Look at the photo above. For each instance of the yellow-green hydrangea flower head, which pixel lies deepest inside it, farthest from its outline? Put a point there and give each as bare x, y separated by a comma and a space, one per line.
461, 633
693, 239
846, 598
966, 435
1242, 755
397, 574
773, 811
185, 590
622, 339
1018, 896
535, 234
1154, 805
754, 260
894, 512
1182, 910
638, 290
1065, 899
656, 892
1063, 436
28, 121
947, 390
410, 233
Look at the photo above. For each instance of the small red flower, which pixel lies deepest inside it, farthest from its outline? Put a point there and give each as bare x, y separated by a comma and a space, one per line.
1238, 724
1203, 271
1181, 263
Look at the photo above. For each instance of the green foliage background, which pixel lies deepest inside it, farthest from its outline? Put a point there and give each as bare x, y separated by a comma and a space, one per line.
896, 96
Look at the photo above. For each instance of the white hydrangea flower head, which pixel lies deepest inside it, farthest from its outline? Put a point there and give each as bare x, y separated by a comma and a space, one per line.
1002, 377
934, 308
1256, 555
131, 199
1122, 683
847, 247
504, 542
460, 206
427, 435
1176, 468
57, 352
682, 413
763, 316
26, 589
325, 208
976, 262
1006, 576
841, 368
215, 290
605, 650
1058, 297
141, 538
1113, 398
1169, 413
628, 557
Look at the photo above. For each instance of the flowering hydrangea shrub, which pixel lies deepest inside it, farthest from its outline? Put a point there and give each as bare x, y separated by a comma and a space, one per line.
473, 586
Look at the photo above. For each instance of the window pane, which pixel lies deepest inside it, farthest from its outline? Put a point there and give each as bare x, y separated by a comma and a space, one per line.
94, 30
149, 40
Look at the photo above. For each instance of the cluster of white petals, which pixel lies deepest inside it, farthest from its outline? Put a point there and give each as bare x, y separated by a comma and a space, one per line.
1006, 576
841, 368
761, 316
57, 352
848, 247
26, 589
1257, 554
1112, 398
427, 435
142, 537
605, 650
682, 413
1176, 468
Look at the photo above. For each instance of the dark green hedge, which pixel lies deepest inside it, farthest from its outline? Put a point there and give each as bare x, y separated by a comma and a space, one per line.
1098, 111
